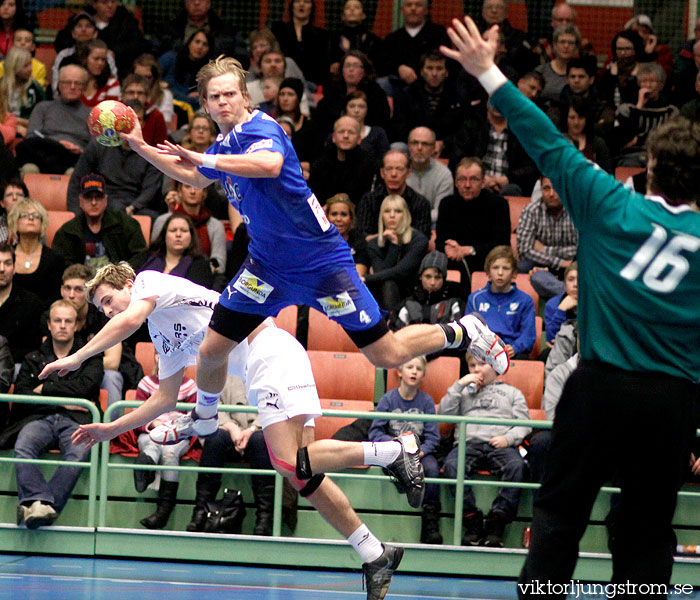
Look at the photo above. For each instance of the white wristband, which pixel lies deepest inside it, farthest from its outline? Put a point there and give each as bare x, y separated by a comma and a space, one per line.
209, 161
492, 79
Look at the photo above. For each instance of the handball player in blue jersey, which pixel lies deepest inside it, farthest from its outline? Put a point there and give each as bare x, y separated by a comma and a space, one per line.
639, 332
296, 256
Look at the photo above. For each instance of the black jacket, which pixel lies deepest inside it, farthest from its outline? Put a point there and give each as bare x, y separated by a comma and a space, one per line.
121, 236
330, 176
367, 219
82, 383
402, 49
19, 321
472, 139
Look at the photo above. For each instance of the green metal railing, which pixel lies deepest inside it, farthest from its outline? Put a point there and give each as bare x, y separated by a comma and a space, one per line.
94, 412
100, 506
460, 422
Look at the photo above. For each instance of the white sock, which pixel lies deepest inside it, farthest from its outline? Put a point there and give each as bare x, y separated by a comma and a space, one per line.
381, 454
366, 545
207, 404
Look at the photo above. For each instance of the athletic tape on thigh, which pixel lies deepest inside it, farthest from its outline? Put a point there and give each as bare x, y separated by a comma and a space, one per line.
286, 466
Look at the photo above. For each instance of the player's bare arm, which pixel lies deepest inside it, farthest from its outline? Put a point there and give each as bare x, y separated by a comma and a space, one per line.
173, 166
260, 164
474, 52
117, 329
163, 400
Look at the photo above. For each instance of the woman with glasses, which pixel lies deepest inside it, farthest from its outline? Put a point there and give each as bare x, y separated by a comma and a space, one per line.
14, 191
38, 269
356, 73
567, 44
618, 83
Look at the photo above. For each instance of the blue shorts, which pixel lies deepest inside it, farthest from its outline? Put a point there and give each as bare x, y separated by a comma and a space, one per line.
336, 291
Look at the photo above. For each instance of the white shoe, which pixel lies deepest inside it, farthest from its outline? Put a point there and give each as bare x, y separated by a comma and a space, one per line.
484, 344
39, 514
185, 426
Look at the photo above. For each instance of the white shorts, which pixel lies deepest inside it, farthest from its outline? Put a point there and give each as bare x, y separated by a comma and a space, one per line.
279, 378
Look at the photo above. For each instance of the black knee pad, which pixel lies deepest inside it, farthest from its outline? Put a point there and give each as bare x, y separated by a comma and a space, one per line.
311, 485
303, 464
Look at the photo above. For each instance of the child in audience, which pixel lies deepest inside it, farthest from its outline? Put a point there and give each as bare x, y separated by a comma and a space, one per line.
408, 398
508, 311
492, 447
563, 306
151, 453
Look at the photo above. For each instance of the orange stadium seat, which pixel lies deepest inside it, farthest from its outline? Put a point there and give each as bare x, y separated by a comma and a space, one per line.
440, 375
325, 334
528, 377
622, 174
287, 319
145, 223
325, 427
537, 348
145, 356
345, 376
56, 219
51, 191
516, 205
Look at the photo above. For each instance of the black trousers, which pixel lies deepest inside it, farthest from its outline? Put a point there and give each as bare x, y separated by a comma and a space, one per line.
602, 414
47, 154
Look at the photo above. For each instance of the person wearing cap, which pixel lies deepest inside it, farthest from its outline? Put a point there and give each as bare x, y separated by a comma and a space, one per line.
133, 184
99, 235
79, 30
471, 222
434, 299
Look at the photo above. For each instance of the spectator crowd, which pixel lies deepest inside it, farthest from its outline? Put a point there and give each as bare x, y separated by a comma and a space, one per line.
413, 166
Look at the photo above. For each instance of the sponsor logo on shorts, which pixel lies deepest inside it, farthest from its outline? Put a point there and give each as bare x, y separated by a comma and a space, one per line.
336, 306
261, 145
364, 318
251, 286
291, 388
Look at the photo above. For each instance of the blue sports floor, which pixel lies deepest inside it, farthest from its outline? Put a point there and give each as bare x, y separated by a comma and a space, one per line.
58, 578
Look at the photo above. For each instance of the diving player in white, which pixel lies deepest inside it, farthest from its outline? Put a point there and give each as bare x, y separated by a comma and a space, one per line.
277, 373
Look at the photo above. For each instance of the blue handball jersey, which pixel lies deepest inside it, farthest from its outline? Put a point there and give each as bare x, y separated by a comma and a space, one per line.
638, 256
288, 228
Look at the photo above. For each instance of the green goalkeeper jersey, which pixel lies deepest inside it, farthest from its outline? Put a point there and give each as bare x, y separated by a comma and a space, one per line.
638, 260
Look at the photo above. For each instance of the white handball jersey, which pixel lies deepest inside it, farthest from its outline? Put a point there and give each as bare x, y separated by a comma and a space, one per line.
179, 320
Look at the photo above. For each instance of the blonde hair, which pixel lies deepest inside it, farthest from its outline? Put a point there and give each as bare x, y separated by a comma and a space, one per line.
15, 60
422, 359
62, 303
24, 205
220, 66
404, 231
114, 275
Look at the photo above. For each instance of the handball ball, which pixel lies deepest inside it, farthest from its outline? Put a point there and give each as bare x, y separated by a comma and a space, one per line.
108, 119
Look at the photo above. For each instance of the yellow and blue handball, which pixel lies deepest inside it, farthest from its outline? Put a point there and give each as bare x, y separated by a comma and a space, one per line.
108, 119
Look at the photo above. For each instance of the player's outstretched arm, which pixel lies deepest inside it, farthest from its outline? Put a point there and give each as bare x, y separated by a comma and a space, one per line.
161, 401
260, 164
117, 329
174, 166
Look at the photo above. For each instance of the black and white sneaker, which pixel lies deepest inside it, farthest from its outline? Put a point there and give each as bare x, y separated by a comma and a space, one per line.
408, 470
377, 574
484, 344
184, 426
